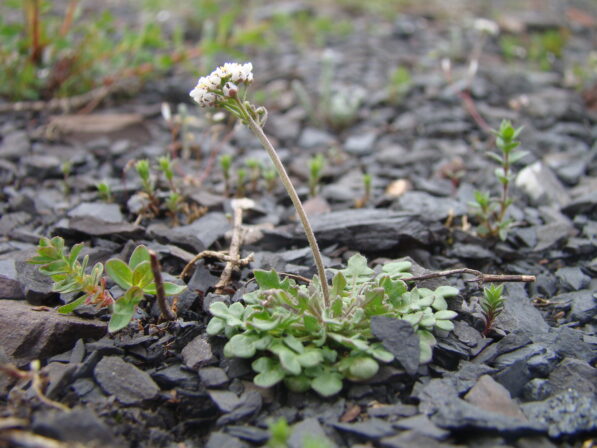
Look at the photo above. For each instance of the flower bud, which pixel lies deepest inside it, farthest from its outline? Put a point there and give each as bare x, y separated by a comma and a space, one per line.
230, 90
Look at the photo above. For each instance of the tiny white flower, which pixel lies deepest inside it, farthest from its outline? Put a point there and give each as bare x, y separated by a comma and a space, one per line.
486, 26
230, 89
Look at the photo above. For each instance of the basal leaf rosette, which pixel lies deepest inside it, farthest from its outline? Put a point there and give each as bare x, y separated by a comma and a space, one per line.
294, 339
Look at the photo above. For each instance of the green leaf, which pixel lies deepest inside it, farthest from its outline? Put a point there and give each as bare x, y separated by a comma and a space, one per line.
289, 360
294, 343
142, 275
338, 285
447, 291
445, 314
327, 384
74, 254
310, 358
445, 325
139, 255
124, 309
336, 308
215, 326
267, 279
240, 346
172, 289
263, 324
518, 155
426, 352
263, 364
357, 266
311, 324
119, 271
219, 309
263, 342
362, 368
269, 378
69, 307
299, 383
496, 157
397, 267
378, 351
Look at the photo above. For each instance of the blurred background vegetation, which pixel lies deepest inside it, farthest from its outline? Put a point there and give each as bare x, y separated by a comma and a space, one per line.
60, 48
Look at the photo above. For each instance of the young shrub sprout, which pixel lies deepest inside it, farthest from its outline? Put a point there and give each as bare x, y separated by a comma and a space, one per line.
226, 88
492, 212
104, 191
142, 168
241, 177
362, 201
165, 165
492, 305
255, 168
316, 166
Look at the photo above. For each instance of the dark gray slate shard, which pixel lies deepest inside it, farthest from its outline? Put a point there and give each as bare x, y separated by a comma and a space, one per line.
196, 237
374, 230
566, 341
225, 400
26, 334
97, 210
393, 410
126, 382
411, 439
213, 376
572, 278
10, 286
432, 207
582, 304
457, 414
574, 374
197, 353
223, 440
422, 425
400, 339
538, 389
175, 376
249, 404
305, 430
508, 343
570, 412
370, 429
78, 425
514, 377
519, 313
86, 225
59, 377
249, 433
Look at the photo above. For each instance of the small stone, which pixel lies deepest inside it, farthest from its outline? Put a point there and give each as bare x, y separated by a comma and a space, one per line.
305, 430
312, 138
514, 377
126, 382
175, 376
370, 429
400, 339
213, 376
361, 143
519, 313
222, 440
249, 404
422, 425
394, 410
225, 400
542, 185
250, 433
15, 145
78, 425
572, 278
574, 374
567, 413
27, 334
197, 353
411, 439
432, 207
493, 397
97, 210
538, 389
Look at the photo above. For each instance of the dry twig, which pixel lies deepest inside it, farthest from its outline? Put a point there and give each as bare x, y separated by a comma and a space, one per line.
167, 312
480, 277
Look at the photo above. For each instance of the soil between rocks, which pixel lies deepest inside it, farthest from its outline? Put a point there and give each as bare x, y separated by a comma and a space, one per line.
531, 383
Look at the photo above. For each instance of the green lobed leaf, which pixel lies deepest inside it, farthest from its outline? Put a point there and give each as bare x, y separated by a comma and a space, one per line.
269, 378
240, 346
172, 289
445, 325
357, 266
267, 279
215, 326
327, 384
294, 343
219, 309
119, 271
310, 358
362, 368
299, 383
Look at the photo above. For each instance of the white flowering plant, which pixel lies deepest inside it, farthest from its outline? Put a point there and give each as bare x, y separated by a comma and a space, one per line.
314, 336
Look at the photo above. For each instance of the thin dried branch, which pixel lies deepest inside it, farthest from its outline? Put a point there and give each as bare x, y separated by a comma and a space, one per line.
480, 277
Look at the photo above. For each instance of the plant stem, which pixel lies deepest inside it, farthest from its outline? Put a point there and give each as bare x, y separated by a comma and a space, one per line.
167, 312
256, 129
505, 187
480, 277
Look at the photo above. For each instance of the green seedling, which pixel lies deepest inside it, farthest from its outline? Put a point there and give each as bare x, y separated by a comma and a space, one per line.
294, 338
104, 191
364, 200
174, 204
226, 165
271, 177
241, 178
70, 276
279, 432
399, 84
492, 305
165, 166
255, 169
316, 166
66, 168
492, 212
144, 172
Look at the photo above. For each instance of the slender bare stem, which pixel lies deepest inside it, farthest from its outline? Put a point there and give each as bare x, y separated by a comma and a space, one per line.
480, 277
234, 253
167, 312
296, 201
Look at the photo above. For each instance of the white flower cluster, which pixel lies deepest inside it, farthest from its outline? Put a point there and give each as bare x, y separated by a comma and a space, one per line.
486, 26
223, 80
